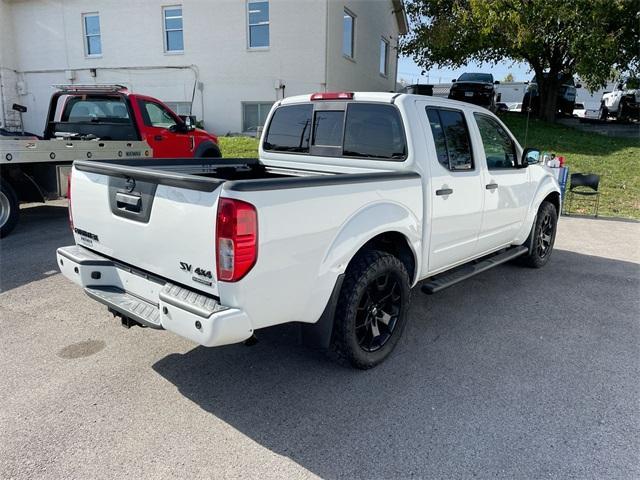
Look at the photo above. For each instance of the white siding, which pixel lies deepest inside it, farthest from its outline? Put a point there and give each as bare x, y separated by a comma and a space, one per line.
8, 77
374, 20
48, 40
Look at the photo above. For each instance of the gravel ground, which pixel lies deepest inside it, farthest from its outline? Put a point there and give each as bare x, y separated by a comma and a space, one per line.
516, 373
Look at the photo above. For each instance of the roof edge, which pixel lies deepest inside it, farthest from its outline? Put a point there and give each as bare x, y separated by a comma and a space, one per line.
401, 16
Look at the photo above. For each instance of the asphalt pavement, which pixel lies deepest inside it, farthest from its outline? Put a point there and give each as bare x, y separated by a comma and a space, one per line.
514, 374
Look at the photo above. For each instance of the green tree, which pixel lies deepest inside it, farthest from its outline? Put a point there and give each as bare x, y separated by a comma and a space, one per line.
590, 38
508, 78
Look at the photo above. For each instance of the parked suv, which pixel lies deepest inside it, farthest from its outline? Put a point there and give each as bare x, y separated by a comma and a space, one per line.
566, 95
623, 103
476, 88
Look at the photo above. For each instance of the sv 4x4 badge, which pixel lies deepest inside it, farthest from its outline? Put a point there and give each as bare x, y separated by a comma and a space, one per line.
201, 275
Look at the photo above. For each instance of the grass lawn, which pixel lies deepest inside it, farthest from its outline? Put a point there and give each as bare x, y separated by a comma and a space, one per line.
616, 160
238, 147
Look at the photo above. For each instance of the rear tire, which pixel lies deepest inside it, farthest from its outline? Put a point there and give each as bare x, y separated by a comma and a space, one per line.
9, 209
604, 113
542, 237
372, 309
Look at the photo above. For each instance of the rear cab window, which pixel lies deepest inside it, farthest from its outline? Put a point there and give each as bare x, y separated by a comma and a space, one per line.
102, 109
290, 129
338, 129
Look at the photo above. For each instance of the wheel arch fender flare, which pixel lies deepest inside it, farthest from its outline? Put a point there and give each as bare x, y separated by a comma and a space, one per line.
548, 185
24, 185
366, 224
205, 146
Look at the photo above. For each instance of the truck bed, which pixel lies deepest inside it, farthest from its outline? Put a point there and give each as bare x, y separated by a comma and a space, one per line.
158, 215
240, 174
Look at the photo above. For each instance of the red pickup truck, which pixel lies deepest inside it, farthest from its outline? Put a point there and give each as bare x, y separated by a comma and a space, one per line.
111, 112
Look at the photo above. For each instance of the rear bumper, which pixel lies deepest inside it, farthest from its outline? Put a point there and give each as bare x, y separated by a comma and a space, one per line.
152, 301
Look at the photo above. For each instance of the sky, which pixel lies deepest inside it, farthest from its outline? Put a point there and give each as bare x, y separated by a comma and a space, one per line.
410, 72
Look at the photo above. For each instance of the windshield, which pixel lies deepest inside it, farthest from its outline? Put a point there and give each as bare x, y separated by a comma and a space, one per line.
566, 79
476, 77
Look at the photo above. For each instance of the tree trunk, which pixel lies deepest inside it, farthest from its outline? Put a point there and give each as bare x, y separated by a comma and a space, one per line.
548, 90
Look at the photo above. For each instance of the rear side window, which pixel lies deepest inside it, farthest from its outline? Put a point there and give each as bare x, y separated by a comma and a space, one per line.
451, 137
290, 129
374, 130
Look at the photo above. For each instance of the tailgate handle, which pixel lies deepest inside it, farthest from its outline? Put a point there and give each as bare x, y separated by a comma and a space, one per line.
128, 202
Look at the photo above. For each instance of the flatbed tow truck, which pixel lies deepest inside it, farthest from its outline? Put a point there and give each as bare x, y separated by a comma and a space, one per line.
91, 122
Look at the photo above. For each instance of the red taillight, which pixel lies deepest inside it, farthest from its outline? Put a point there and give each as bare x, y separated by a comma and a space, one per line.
332, 96
236, 239
69, 197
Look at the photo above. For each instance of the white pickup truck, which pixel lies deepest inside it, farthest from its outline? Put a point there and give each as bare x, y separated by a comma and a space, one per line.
355, 198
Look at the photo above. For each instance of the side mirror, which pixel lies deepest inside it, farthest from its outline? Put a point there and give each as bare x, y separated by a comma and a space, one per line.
530, 156
188, 122
497, 82
453, 81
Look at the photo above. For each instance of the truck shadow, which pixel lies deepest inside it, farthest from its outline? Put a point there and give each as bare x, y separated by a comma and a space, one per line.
495, 376
28, 253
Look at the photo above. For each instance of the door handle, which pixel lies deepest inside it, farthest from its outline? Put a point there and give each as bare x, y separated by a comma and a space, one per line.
128, 202
444, 191
491, 186
158, 138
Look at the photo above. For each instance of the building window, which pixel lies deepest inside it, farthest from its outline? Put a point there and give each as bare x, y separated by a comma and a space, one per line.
173, 40
258, 18
384, 57
180, 108
348, 33
254, 115
92, 41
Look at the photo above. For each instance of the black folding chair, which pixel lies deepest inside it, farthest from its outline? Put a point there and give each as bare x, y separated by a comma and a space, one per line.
585, 185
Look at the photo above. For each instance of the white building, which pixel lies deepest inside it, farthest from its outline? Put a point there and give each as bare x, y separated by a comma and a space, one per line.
226, 60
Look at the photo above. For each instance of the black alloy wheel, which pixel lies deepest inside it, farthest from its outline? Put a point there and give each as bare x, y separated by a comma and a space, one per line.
545, 235
378, 312
542, 237
372, 309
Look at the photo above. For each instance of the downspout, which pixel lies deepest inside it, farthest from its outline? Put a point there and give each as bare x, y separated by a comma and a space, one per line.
4, 118
395, 78
326, 44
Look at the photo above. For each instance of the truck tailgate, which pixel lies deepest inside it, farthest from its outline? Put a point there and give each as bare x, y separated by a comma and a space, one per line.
159, 222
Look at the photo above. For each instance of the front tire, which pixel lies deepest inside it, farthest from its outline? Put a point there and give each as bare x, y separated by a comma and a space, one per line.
542, 236
213, 152
9, 209
372, 309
